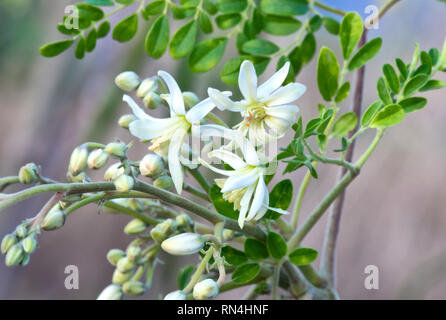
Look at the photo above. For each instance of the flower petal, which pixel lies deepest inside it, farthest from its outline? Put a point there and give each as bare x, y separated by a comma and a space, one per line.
175, 99
261, 197
223, 102
220, 171
228, 157
286, 112
208, 131
284, 95
200, 110
173, 158
248, 150
149, 129
137, 111
241, 179
244, 204
273, 83
247, 81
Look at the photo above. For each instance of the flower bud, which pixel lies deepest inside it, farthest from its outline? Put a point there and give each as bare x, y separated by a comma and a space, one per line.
116, 149
112, 292
146, 86
228, 235
133, 253
206, 289
125, 120
25, 260
113, 172
81, 177
125, 265
121, 277
183, 220
162, 230
14, 255
135, 204
151, 166
78, 160
21, 231
183, 244
190, 99
163, 182
175, 295
28, 173
152, 100
114, 255
54, 219
29, 244
127, 81
135, 226
133, 288
124, 183
97, 159
7, 242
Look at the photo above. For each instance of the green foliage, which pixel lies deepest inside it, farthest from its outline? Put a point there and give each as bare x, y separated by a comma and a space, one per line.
255, 249
245, 273
207, 54
183, 40
280, 197
126, 29
233, 256
370, 113
280, 26
388, 116
55, 48
350, 33
327, 73
302, 256
260, 47
276, 246
284, 7
158, 37
365, 54
344, 124
222, 206
184, 275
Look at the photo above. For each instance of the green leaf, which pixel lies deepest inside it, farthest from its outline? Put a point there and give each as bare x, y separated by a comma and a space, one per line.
370, 113
389, 116
183, 40
79, 52
401, 67
295, 58
102, 3
308, 48
90, 40
245, 273
55, 48
158, 37
315, 23
432, 85
64, 30
277, 247
207, 54
343, 92
344, 124
434, 53
205, 23
391, 78
184, 276
231, 6
222, 206
280, 197
284, 7
255, 249
103, 29
126, 29
331, 25
125, 1
365, 54
230, 71
414, 84
182, 12
260, 47
327, 73
383, 92
89, 12
233, 256
303, 256
155, 8
210, 7
350, 33
413, 104
280, 26
226, 21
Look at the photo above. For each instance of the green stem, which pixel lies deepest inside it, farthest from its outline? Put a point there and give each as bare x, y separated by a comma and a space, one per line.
329, 9
6, 181
195, 192
200, 179
196, 277
275, 286
313, 276
216, 119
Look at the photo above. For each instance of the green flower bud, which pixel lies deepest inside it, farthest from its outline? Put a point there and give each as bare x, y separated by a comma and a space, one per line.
121, 277
134, 253
78, 160
183, 220
163, 182
29, 244
135, 204
135, 226
183, 244
114, 255
190, 99
54, 219
97, 159
81, 177
152, 100
21, 231
228, 235
112, 292
124, 183
175, 295
151, 166
205, 290
127, 81
28, 173
146, 86
116, 149
125, 120
14, 255
25, 260
7, 242
133, 288
125, 265
113, 172
162, 230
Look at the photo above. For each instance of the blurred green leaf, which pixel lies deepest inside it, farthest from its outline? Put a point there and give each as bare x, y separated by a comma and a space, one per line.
126, 29
205, 23
432, 85
414, 84
158, 37
79, 52
102, 3
155, 8
284, 7
183, 40
343, 92
255, 249
383, 92
365, 54
350, 33
231, 6
260, 47
245, 273
90, 40
331, 25
89, 12
103, 29
277, 247
344, 124
230, 71
308, 48
280, 197
391, 78
222, 206
370, 113
389, 116
327, 73
413, 104
226, 21
233, 256
55, 48
303, 256
206, 54
279, 26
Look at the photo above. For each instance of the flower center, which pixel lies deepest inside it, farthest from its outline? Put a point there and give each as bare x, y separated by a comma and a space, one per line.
165, 136
255, 113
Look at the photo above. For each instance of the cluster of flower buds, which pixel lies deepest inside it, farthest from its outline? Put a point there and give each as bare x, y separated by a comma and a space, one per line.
146, 89
152, 166
19, 245
28, 173
54, 219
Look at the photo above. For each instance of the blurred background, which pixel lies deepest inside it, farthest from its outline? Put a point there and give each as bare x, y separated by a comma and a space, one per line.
394, 215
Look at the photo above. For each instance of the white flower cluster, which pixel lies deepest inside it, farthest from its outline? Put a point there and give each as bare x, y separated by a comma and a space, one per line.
266, 115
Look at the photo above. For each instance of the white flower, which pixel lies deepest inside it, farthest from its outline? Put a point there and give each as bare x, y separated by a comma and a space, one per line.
183, 244
245, 186
175, 295
168, 135
205, 290
263, 107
